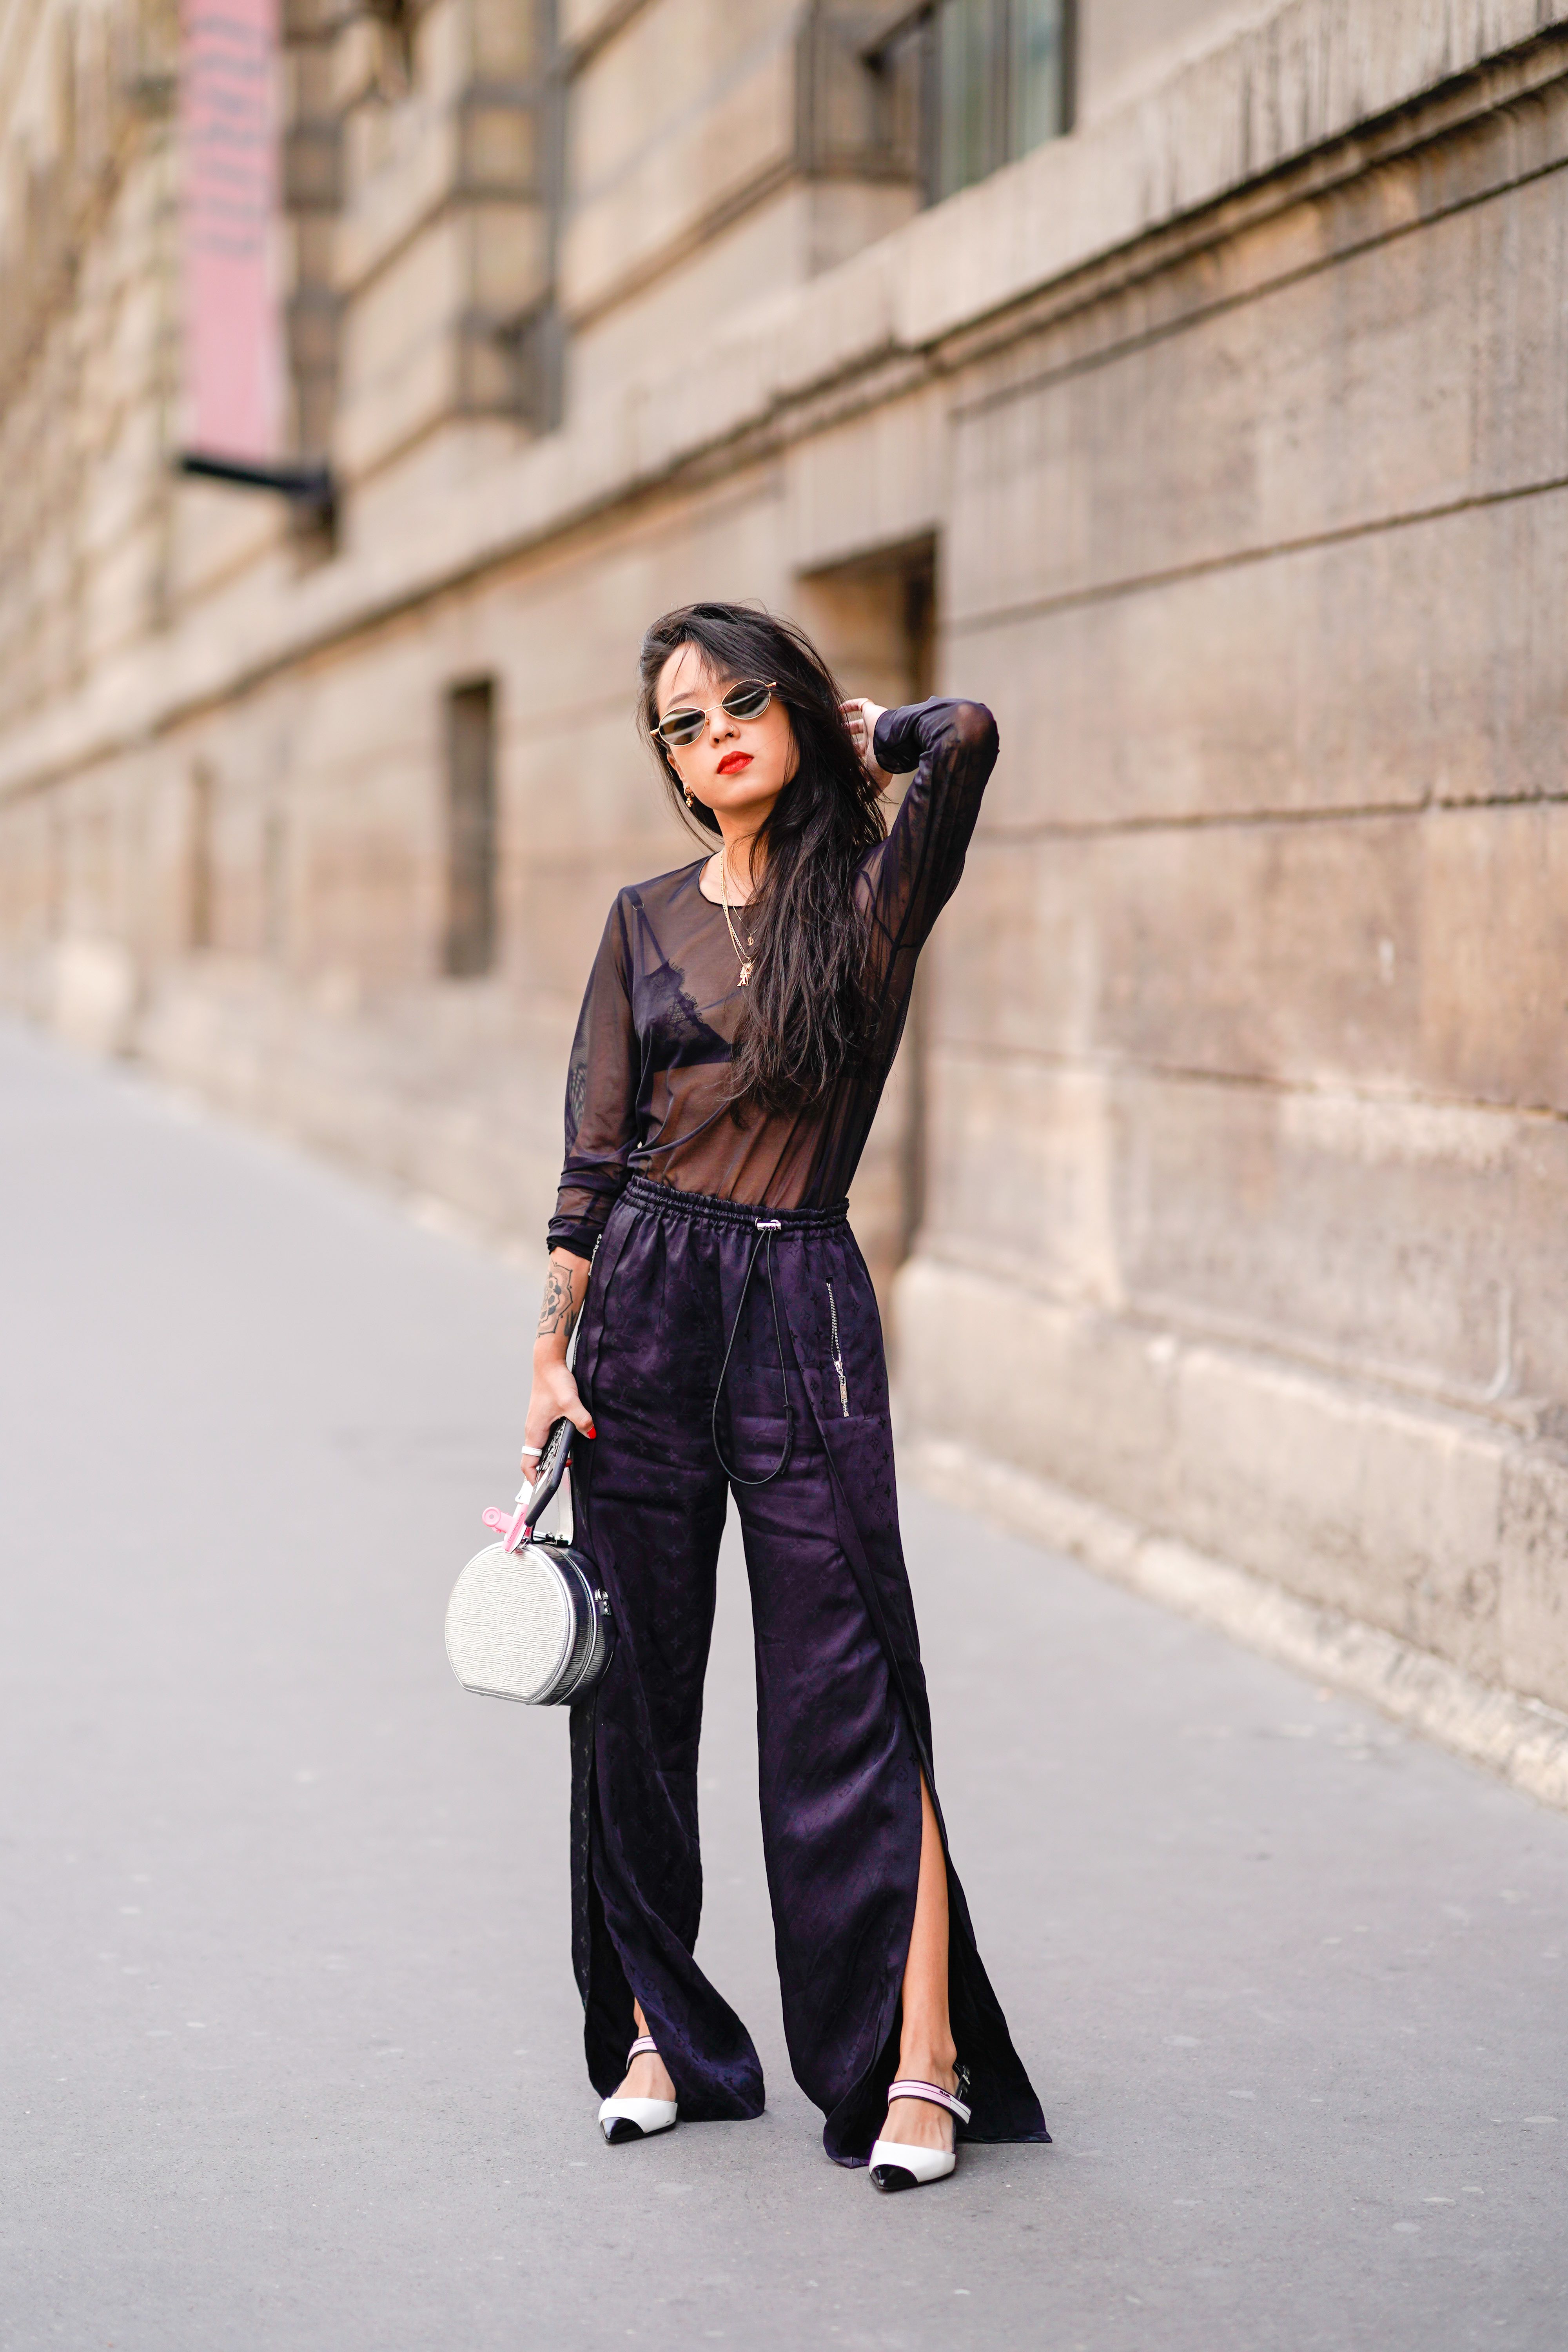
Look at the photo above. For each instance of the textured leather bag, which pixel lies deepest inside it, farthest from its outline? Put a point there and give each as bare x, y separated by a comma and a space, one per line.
528, 1619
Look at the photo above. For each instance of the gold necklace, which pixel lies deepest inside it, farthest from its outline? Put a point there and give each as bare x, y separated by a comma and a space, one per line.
743, 961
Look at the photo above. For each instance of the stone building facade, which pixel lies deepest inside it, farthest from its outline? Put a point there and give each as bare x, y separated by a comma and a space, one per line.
1182, 377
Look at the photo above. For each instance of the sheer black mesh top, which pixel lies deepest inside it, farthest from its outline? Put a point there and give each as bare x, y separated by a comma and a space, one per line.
648, 1089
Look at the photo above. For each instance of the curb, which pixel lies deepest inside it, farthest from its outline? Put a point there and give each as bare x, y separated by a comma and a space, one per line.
1522, 1740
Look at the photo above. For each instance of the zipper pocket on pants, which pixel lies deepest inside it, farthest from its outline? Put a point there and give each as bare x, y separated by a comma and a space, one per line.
838, 1355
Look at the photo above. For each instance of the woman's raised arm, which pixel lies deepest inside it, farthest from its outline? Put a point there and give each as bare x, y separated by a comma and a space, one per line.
952, 747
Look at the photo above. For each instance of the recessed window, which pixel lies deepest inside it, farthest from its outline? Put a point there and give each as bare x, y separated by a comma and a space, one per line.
470, 944
200, 927
995, 79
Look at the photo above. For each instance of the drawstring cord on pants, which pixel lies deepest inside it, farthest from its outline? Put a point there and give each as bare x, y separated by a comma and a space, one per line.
769, 1226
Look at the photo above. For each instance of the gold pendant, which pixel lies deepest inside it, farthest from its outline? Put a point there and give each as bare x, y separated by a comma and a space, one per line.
745, 973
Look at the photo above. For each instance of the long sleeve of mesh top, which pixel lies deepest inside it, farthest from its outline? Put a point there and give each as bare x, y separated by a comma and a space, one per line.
601, 1096
952, 747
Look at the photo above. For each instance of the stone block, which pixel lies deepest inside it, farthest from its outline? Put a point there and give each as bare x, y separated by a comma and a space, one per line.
29, 882
1365, 1502
397, 351
444, 53
628, 810
1080, 1397
580, 19
506, 42
1534, 1574
1024, 1171
399, 168
505, 256
1408, 1243
1354, 1499
94, 994
688, 110
1396, 668
1410, 377
1125, 44
1418, 953
879, 1198
355, 63
766, 246
873, 482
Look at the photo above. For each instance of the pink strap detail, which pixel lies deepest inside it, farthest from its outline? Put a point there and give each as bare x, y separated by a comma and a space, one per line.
510, 1526
931, 2092
644, 2045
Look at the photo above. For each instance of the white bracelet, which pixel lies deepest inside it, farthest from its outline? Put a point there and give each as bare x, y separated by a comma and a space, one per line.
532, 1449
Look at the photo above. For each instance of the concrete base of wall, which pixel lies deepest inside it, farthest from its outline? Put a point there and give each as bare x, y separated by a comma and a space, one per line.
1523, 1740
1442, 1526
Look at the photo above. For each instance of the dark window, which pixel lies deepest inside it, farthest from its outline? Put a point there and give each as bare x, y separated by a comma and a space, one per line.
275, 882
470, 945
394, 68
995, 79
203, 793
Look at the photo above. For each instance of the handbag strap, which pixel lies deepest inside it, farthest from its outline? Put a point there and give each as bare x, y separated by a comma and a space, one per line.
533, 1501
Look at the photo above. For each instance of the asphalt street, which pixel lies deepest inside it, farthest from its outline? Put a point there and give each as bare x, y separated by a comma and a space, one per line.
292, 2052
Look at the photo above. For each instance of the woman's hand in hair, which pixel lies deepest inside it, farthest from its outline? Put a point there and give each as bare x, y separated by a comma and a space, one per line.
860, 716
553, 1396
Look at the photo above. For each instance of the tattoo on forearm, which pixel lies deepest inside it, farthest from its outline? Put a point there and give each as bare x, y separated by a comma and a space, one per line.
559, 1311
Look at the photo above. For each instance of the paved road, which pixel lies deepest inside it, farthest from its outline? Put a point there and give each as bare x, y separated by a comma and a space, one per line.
292, 2054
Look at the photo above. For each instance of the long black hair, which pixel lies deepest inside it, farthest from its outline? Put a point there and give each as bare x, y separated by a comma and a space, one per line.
807, 1018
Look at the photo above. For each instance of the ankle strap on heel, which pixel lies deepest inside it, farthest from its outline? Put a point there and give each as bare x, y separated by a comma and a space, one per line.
933, 2093
644, 2046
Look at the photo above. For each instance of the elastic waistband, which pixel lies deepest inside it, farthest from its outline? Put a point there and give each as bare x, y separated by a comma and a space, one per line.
743, 1216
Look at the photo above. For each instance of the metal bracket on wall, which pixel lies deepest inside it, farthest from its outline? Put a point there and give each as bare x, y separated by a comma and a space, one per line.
310, 489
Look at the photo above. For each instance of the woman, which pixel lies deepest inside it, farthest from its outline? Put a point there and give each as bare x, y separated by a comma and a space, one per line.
737, 1026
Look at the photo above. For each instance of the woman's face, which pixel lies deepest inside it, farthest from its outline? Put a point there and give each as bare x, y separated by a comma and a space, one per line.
737, 767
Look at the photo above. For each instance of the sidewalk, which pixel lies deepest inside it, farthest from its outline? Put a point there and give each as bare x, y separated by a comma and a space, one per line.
293, 2058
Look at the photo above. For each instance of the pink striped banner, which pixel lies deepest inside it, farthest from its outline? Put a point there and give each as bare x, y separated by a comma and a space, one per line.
230, 178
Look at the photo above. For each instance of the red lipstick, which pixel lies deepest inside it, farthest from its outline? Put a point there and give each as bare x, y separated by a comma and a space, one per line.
733, 761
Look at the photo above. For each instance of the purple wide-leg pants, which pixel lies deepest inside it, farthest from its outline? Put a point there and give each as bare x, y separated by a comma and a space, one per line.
843, 1725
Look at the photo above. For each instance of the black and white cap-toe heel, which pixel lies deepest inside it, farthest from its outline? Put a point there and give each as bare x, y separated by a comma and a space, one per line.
624, 2119
895, 2165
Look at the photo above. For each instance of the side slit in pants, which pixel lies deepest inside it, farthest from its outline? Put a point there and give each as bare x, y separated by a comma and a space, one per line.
843, 1723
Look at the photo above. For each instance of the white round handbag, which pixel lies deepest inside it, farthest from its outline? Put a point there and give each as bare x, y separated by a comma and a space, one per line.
528, 1619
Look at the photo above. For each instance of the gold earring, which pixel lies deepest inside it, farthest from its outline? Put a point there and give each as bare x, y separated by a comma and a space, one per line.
687, 791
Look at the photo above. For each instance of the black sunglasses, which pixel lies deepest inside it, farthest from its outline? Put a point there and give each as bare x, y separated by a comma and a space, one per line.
747, 700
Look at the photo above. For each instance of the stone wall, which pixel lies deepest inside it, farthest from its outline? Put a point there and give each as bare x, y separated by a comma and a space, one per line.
1231, 1137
